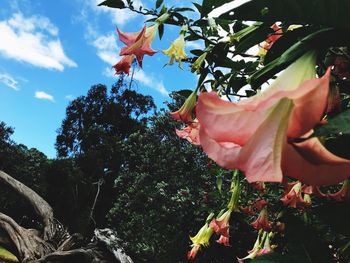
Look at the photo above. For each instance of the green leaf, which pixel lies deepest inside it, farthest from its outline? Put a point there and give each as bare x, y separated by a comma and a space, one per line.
219, 183
236, 83
287, 40
184, 92
113, 4
337, 126
322, 38
161, 31
183, 9
316, 12
159, 3
254, 38
198, 6
7, 255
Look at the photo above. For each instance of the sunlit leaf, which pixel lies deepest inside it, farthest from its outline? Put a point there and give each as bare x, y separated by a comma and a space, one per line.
322, 38
7, 255
317, 12
209, 5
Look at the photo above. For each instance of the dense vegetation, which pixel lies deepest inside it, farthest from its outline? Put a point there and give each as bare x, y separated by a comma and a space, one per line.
119, 165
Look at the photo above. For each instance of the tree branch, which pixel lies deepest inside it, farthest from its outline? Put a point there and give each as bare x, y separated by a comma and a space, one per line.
41, 207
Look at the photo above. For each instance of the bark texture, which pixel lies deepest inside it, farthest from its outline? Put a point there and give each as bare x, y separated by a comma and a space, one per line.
53, 244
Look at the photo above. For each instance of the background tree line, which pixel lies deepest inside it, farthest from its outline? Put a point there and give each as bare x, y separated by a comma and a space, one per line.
119, 165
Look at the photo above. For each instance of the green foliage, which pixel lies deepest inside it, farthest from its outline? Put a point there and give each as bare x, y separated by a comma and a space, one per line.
160, 187
26, 165
337, 126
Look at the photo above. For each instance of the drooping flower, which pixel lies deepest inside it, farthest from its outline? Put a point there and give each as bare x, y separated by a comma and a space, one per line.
224, 241
193, 252
343, 194
262, 222
266, 249
190, 133
201, 239
198, 63
259, 204
257, 135
312, 190
254, 251
248, 210
221, 225
123, 66
261, 247
185, 113
294, 198
267, 44
139, 44
176, 51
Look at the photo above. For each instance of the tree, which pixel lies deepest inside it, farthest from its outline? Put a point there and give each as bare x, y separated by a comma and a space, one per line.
161, 188
91, 136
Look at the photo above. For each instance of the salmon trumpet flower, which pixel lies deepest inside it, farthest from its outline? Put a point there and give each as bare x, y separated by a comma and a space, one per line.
259, 135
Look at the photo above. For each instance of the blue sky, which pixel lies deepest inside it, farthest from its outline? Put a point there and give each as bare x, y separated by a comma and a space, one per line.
54, 51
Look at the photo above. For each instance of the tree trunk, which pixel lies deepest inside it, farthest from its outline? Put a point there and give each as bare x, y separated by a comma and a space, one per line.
53, 244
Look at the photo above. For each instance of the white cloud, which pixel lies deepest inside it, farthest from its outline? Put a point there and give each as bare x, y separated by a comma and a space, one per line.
41, 95
33, 40
109, 72
69, 97
9, 81
151, 82
194, 45
107, 48
143, 78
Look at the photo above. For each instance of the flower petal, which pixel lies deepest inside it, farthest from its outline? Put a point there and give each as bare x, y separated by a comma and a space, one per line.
260, 158
128, 38
311, 163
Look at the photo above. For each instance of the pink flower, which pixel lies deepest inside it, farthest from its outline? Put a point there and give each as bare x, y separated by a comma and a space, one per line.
221, 225
224, 241
277, 33
193, 252
260, 203
267, 44
261, 247
185, 113
343, 194
248, 210
312, 190
262, 222
138, 43
293, 198
123, 66
257, 135
190, 133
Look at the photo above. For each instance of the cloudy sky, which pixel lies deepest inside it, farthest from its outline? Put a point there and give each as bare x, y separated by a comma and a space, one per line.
54, 51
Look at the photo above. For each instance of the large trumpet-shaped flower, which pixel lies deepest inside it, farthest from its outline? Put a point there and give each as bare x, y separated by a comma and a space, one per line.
257, 135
